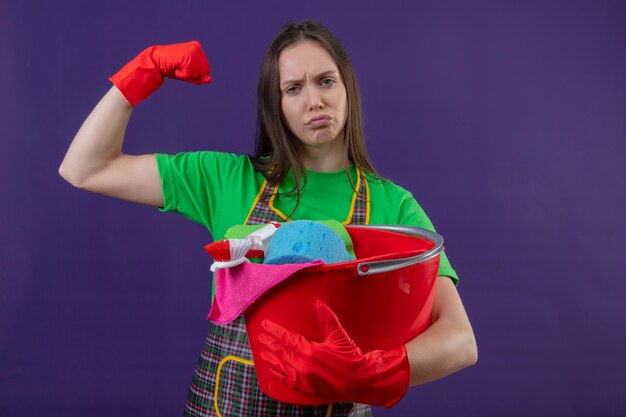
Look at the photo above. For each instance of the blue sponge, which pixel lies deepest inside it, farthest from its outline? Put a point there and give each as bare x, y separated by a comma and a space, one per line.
304, 241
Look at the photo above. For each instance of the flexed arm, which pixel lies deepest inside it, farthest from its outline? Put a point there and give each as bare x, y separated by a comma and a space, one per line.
94, 160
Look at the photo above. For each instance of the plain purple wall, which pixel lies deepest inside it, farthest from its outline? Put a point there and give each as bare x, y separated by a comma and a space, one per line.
505, 119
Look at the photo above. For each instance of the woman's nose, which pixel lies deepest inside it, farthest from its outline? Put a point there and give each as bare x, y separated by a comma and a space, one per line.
315, 100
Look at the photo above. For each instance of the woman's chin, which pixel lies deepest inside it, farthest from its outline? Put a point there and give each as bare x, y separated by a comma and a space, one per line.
323, 138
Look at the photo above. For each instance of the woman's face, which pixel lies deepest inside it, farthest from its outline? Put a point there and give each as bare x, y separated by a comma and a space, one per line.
314, 99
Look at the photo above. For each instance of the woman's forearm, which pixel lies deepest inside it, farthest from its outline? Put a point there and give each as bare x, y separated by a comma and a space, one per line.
448, 345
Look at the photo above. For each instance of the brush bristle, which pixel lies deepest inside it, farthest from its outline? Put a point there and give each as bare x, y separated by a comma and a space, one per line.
219, 251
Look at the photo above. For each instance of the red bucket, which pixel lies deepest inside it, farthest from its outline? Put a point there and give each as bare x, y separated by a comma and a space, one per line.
383, 298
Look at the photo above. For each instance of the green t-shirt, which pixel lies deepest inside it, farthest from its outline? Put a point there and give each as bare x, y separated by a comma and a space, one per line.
218, 190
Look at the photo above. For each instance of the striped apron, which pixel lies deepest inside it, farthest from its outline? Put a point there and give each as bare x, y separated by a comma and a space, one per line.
225, 382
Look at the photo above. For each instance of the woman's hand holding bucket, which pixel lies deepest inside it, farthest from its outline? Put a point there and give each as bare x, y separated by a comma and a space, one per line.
335, 368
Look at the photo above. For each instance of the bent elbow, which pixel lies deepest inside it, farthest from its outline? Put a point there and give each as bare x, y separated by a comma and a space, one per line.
471, 351
70, 176
66, 175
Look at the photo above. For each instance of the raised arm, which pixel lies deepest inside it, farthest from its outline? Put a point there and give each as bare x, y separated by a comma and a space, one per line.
95, 161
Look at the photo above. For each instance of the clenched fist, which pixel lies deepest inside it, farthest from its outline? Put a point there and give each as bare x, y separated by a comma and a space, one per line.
145, 73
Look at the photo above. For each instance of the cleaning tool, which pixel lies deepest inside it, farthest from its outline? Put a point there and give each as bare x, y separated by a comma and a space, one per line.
232, 252
241, 231
228, 252
383, 299
236, 288
262, 237
304, 241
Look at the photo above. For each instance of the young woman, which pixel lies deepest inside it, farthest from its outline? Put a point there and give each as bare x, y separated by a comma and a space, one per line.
310, 163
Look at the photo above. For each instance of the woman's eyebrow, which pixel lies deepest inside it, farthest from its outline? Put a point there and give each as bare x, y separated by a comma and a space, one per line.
326, 73
291, 81
317, 76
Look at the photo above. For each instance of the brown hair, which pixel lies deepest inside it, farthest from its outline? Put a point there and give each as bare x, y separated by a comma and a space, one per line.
276, 146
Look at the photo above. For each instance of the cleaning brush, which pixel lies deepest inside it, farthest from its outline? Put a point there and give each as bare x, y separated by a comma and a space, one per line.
232, 252
228, 252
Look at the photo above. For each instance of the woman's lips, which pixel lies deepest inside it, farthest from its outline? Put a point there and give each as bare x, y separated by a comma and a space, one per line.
319, 121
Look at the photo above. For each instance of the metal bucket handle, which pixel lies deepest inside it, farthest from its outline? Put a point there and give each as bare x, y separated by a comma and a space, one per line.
377, 267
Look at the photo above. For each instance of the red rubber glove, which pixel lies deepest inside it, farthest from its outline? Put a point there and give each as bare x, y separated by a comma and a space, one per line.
335, 368
144, 74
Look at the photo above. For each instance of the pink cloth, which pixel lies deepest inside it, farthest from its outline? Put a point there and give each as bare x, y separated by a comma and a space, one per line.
236, 288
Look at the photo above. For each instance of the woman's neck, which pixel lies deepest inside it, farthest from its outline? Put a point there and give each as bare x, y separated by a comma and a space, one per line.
326, 158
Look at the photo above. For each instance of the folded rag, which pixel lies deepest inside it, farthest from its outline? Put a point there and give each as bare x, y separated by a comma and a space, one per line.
236, 288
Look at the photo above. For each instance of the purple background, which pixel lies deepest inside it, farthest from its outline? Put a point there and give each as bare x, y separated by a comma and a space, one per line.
505, 119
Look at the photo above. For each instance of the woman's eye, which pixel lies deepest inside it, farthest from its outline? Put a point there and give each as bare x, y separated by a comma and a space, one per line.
292, 90
327, 82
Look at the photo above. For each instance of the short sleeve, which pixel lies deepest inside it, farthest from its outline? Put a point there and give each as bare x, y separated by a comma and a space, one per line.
412, 214
200, 185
